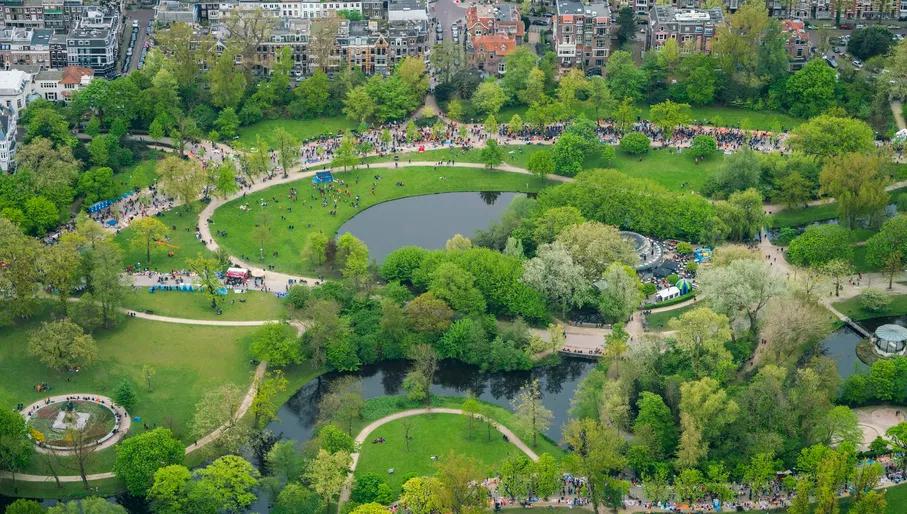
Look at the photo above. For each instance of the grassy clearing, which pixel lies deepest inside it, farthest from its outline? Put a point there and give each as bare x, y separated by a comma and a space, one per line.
667, 167
659, 320
180, 354
68, 490
181, 241
301, 129
248, 306
803, 215
283, 246
431, 435
138, 176
852, 308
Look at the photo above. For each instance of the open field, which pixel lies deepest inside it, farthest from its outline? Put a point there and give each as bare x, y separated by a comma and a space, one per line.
301, 129
247, 306
181, 241
283, 245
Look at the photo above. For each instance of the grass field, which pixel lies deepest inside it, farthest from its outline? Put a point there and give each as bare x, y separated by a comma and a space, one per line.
307, 214
666, 167
431, 435
248, 306
182, 242
852, 309
803, 215
659, 320
301, 129
138, 176
181, 355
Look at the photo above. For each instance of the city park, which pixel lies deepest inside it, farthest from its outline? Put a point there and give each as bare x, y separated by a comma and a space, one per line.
245, 308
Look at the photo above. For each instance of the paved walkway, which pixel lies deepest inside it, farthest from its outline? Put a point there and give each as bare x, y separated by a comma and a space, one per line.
122, 425
897, 109
876, 420
204, 322
362, 437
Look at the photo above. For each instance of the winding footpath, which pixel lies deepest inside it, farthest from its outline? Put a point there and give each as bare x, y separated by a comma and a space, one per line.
362, 437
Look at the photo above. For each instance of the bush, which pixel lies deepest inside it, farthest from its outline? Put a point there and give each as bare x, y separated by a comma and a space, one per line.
297, 296
785, 236
692, 267
820, 244
703, 147
684, 248
635, 143
649, 289
874, 300
672, 278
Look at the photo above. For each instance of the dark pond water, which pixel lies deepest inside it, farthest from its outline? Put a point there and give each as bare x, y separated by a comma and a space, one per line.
296, 419
841, 344
427, 221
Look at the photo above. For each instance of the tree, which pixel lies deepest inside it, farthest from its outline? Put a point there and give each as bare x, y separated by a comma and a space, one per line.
343, 403
794, 190
91, 505
857, 183
811, 90
264, 403
654, 415
760, 472
870, 41
287, 149
827, 136
840, 427
541, 163
40, 215
422, 495
492, 154
489, 97
273, 343
148, 230
620, 292
597, 454
888, 248
60, 265
668, 115
359, 104
418, 381
345, 155
459, 478
703, 147
217, 410
749, 47
742, 288
370, 508
428, 313
837, 269
172, 490
705, 410
626, 25
296, 499
595, 246
227, 86
180, 179
23, 506
456, 286
625, 79
138, 458
551, 222
229, 482
471, 410
327, 472
19, 277
820, 244
553, 273
125, 395
531, 414
15, 445
700, 336
871, 502
205, 268
897, 70
62, 345
412, 73
97, 184
635, 143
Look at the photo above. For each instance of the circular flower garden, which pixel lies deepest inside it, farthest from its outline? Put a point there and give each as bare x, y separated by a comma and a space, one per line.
69, 422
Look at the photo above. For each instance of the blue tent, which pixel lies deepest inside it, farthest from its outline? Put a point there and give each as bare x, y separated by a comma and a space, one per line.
323, 177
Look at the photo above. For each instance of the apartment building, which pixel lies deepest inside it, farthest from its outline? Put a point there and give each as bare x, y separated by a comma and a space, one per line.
56, 15
94, 43
25, 47
798, 44
501, 19
60, 85
581, 34
694, 29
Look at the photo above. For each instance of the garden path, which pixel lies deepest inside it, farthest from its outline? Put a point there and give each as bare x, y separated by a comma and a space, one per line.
362, 436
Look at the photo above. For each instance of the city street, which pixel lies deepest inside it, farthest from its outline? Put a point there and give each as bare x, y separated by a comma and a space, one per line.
447, 12
143, 16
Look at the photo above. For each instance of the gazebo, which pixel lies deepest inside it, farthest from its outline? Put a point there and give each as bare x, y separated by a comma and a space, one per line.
891, 340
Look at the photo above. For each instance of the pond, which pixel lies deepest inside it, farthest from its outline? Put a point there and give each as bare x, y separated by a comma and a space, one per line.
841, 345
296, 419
427, 221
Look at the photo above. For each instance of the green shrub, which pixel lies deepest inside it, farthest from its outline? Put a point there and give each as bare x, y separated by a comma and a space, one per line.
684, 248
874, 300
635, 143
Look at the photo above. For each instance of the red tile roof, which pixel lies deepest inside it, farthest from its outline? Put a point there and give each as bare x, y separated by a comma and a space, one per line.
74, 74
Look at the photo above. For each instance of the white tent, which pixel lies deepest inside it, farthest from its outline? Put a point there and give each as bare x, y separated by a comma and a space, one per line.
667, 294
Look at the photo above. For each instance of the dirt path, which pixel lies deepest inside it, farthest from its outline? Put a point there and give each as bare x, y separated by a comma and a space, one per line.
897, 109
362, 437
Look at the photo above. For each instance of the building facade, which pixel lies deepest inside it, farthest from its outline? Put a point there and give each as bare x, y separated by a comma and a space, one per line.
581, 34
94, 43
693, 29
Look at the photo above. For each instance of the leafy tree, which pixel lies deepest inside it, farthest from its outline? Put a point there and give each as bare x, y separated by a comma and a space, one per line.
40, 215
626, 25
146, 231
857, 183
345, 155
811, 90
91, 504
625, 79
598, 455
181, 179
700, 336
326, 473
749, 48
489, 97
23, 506
138, 458
668, 115
370, 508
794, 190
273, 343
217, 410
620, 292
635, 143
15, 445
456, 286
594, 246
869, 42
422, 495
62, 345
827, 136
553, 273
230, 481
655, 416
752, 283
531, 413
703, 147
459, 477
97, 184
569, 154
296, 499
492, 154
125, 395
888, 248
820, 244
541, 163
428, 313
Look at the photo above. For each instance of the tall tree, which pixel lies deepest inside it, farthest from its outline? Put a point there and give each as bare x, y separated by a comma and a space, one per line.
62, 345
148, 230
597, 454
531, 413
180, 179
857, 183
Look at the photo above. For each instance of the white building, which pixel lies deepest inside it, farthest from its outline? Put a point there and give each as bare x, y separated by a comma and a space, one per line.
8, 119
15, 88
57, 85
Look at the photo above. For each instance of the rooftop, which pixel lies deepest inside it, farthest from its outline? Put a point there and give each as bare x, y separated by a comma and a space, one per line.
568, 7
13, 80
668, 13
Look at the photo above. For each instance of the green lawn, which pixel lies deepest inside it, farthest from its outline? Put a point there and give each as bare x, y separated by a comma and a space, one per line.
180, 354
68, 490
852, 309
301, 129
666, 167
182, 242
803, 215
659, 320
138, 176
307, 214
431, 435
248, 306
